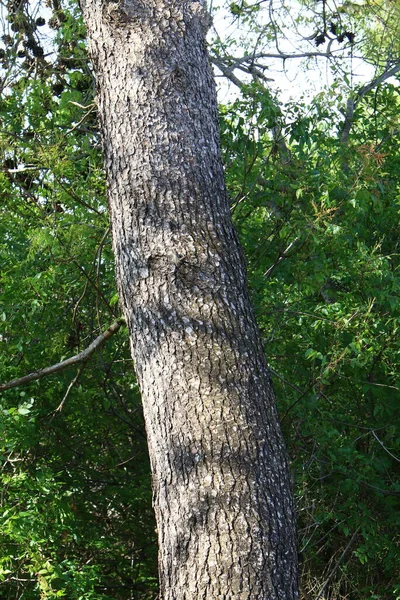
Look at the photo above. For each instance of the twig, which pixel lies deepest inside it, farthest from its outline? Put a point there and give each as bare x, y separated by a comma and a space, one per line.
85, 116
281, 257
71, 385
384, 447
339, 562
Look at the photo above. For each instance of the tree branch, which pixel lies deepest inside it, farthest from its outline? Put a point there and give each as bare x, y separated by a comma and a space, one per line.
69, 362
352, 102
227, 71
378, 80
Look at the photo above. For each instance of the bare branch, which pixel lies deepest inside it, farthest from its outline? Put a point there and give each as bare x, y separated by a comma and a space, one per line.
227, 65
286, 55
69, 362
378, 80
384, 447
281, 257
227, 71
71, 385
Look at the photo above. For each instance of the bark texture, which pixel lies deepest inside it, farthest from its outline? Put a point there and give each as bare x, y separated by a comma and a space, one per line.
221, 483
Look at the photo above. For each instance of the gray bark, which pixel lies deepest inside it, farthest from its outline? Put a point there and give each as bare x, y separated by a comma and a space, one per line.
221, 483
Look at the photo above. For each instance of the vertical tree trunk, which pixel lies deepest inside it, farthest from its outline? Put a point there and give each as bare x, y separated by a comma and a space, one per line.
221, 484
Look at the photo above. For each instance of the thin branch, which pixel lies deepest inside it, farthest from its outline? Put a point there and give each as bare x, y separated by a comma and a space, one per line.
339, 562
291, 385
247, 64
71, 385
74, 197
93, 284
98, 258
283, 55
85, 116
69, 362
384, 447
281, 257
378, 489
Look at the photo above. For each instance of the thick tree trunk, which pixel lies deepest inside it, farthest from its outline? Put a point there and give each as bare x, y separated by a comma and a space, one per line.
221, 483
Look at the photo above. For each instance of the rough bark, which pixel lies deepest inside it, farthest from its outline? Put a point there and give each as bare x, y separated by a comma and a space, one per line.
221, 482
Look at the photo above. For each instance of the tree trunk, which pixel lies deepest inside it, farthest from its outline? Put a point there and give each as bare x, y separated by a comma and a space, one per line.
221, 482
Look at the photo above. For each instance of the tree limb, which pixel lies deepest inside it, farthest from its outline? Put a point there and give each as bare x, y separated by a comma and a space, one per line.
69, 362
227, 71
352, 102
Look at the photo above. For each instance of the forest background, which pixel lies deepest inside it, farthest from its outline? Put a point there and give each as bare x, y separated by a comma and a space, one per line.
315, 194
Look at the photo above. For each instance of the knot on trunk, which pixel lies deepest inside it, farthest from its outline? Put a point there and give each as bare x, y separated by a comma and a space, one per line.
120, 12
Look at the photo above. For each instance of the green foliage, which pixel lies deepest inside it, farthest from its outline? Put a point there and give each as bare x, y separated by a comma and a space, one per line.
75, 508
319, 221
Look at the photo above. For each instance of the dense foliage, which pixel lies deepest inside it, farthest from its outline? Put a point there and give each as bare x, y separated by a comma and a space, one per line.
320, 227
318, 216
